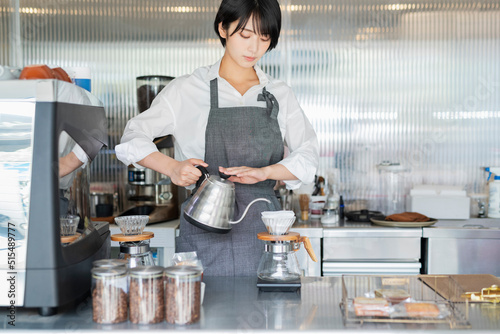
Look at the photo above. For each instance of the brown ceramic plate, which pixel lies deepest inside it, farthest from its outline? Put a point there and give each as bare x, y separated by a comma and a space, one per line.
390, 223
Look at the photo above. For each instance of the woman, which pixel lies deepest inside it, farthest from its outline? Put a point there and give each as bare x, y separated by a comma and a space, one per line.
233, 118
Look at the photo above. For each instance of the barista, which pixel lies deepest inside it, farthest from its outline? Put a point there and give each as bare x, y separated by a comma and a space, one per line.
68, 163
233, 118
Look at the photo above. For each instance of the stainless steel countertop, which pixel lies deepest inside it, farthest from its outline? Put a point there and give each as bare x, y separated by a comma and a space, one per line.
478, 228
347, 229
471, 228
234, 304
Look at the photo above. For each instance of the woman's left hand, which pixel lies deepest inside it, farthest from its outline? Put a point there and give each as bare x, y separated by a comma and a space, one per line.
246, 175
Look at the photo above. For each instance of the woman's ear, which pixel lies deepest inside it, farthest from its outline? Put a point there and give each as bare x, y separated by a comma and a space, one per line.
222, 31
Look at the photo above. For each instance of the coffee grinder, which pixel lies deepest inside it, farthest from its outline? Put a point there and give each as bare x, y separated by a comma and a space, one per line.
149, 192
279, 269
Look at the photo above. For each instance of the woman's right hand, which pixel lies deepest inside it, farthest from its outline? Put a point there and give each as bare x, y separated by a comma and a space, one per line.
184, 173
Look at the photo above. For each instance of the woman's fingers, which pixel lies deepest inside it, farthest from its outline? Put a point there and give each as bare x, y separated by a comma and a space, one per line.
244, 174
236, 170
186, 173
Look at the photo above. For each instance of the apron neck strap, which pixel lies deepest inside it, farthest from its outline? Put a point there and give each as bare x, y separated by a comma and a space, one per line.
214, 94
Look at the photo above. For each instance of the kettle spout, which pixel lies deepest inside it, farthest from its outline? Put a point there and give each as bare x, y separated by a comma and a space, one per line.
246, 209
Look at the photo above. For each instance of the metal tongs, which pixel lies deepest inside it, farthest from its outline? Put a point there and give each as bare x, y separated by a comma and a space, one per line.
491, 295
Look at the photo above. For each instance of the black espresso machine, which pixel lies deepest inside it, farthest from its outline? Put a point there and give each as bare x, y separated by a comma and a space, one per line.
50, 132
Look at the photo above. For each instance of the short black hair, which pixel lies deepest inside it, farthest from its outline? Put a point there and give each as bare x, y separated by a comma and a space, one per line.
266, 17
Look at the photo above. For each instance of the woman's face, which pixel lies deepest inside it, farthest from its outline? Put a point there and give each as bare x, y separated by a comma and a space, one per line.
245, 47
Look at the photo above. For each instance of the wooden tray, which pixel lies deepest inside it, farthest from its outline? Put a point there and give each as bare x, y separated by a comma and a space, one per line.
467, 283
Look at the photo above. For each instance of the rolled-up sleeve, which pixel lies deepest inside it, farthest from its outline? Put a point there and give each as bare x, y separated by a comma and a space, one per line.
302, 143
80, 155
140, 131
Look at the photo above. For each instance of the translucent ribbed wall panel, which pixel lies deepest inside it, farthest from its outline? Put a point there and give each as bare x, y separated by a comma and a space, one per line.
6, 32
412, 82
417, 82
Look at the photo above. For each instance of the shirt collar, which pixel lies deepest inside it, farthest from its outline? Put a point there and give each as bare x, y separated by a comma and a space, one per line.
213, 73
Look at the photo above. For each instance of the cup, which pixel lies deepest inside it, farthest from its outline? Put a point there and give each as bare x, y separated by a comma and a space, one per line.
80, 76
69, 225
9, 73
316, 206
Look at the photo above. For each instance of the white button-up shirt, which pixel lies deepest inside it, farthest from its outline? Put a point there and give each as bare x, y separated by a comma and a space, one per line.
181, 109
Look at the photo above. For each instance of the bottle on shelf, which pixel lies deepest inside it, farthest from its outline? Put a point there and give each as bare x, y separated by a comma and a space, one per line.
494, 192
331, 209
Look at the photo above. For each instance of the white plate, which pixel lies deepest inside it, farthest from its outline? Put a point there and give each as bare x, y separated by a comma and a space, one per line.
390, 223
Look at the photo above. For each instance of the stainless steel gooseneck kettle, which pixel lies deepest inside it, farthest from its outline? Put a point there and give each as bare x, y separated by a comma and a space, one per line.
212, 206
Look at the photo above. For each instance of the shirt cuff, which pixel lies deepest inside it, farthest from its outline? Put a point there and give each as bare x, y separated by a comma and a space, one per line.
81, 155
135, 150
302, 170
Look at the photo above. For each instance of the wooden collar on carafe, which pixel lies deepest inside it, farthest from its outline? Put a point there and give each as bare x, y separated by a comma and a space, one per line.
290, 236
146, 235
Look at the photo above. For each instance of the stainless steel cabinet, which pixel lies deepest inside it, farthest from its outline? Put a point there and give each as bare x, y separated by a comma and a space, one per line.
462, 247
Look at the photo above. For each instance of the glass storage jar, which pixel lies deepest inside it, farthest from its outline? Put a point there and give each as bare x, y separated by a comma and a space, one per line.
182, 294
394, 186
147, 301
109, 295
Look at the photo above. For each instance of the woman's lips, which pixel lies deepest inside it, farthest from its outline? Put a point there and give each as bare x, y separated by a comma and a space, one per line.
250, 59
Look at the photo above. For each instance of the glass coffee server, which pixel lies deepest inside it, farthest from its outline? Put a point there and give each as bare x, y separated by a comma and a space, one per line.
279, 268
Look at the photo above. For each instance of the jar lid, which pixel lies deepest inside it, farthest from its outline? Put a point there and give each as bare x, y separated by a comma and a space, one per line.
144, 271
182, 271
109, 263
113, 272
155, 77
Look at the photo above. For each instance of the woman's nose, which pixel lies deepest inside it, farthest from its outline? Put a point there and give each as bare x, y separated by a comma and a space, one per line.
253, 45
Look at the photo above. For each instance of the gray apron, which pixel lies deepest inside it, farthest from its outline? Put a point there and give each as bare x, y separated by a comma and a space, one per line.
237, 136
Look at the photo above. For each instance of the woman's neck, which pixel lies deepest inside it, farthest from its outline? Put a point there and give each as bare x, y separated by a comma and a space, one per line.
242, 79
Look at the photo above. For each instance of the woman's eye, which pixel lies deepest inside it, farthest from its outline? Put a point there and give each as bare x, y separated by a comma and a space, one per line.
244, 36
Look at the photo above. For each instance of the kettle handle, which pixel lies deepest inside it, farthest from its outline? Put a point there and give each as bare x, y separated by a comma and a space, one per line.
204, 175
248, 206
224, 176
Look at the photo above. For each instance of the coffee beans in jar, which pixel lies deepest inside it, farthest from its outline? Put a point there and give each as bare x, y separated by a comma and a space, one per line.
109, 295
147, 303
182, 294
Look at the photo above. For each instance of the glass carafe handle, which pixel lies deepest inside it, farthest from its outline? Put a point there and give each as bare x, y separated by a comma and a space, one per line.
307, 244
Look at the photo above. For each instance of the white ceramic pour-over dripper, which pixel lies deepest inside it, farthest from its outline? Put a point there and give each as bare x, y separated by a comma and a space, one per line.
278, 222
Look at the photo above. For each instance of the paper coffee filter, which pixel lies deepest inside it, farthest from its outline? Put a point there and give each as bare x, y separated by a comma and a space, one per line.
278, 222
278, 214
